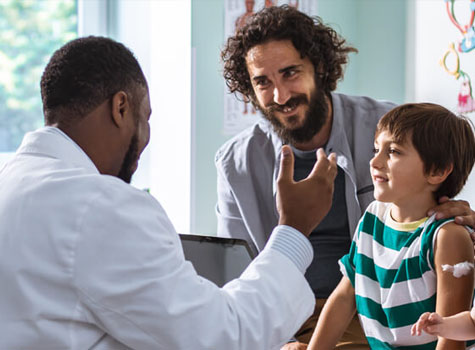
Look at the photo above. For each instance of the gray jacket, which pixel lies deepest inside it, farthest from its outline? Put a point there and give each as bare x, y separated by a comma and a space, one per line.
248, 166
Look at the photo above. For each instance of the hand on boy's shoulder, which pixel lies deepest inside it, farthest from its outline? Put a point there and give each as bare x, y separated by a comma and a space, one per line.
459, 209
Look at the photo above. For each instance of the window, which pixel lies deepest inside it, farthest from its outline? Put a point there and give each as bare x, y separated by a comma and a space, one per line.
30, 31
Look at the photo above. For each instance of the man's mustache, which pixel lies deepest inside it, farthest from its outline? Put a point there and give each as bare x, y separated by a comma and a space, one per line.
292, 103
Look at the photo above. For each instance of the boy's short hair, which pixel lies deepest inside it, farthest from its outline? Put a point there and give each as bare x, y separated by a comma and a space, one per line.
441, 138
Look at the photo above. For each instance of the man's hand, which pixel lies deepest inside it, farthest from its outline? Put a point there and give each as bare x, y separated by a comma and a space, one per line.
294, 346
304, 204
427, 322
459, 209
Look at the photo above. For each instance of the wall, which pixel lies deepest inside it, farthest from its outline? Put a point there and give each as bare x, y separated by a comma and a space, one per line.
376, 27
207, 39
165, 165
433, 32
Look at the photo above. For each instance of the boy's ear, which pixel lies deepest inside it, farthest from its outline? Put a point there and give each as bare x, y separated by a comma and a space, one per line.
439, 176
120, 108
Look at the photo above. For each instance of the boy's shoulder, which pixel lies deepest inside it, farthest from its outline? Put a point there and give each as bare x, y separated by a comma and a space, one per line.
444, 240
453, 249
453, 236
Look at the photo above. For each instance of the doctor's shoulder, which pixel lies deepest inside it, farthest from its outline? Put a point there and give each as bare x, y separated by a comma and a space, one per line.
109, 191
107, 200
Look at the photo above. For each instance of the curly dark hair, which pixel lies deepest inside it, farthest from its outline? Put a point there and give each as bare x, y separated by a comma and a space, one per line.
84, 73
320, 43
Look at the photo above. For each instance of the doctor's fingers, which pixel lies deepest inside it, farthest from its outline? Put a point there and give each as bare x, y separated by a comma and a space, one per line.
286, 171
325, 167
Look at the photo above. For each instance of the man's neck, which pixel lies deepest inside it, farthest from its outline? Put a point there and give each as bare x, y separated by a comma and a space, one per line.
321, 138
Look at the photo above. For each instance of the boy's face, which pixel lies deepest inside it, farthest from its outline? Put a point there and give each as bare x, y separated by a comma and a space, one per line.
398, 172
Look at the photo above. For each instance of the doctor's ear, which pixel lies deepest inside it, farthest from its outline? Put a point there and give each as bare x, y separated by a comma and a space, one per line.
120, 107
439, 176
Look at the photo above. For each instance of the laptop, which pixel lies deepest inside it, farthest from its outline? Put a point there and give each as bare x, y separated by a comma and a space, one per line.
217, 259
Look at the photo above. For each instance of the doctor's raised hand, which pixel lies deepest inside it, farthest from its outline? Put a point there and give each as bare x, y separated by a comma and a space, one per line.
109, 271
304, 204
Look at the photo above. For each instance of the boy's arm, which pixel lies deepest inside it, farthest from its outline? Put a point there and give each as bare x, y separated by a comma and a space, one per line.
454, 295
335, 317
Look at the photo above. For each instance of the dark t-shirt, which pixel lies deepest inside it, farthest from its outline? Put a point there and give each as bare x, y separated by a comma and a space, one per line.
331, 239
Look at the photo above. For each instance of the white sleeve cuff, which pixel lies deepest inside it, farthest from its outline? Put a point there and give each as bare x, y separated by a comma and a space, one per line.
293, 244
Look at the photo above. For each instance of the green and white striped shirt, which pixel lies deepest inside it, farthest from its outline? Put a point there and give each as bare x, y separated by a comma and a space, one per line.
391, 267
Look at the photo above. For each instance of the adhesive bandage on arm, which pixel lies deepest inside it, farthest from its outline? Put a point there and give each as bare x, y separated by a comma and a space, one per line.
460, 269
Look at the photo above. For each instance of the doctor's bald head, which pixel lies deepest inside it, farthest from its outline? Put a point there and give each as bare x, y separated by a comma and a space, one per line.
84, 73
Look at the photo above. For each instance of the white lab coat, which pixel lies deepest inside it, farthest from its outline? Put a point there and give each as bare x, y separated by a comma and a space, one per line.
89, 262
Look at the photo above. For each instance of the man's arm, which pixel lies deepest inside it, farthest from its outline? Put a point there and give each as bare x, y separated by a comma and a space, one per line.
230, 217
454, 295
335, 317
133, 282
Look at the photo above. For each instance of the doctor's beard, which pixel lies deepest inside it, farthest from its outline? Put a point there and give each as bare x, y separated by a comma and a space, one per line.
129, 164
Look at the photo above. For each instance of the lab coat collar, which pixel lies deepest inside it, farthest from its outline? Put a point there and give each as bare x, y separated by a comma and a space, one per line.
53, 142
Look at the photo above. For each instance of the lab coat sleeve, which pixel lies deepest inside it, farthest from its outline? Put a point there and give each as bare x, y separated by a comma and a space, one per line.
133, 282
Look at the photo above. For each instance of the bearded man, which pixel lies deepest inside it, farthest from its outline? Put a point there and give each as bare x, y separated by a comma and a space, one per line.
288, 65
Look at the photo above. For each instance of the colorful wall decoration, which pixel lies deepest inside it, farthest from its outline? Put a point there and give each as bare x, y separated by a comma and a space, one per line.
463, 46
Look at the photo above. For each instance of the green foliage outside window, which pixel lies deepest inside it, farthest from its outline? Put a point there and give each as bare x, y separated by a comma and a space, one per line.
30, 31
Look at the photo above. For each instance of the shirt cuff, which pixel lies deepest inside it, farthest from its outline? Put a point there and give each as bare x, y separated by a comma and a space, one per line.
293, 244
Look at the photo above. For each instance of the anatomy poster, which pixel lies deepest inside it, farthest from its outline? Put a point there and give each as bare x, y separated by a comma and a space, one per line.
239, 114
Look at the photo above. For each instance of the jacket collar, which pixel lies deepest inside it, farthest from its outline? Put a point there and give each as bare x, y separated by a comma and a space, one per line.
52, 142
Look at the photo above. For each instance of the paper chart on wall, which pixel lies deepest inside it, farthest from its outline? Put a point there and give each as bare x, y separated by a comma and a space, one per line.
239, 114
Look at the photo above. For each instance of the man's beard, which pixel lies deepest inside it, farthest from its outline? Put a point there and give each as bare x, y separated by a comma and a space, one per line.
314, 119
128, 165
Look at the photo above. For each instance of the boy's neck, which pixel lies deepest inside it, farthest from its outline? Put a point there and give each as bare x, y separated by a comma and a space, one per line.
413, 209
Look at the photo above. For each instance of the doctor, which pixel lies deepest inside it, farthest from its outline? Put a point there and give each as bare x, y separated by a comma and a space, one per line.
89, 262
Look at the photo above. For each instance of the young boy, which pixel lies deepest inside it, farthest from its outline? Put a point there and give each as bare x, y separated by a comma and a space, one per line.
393, 272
